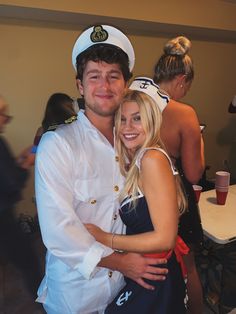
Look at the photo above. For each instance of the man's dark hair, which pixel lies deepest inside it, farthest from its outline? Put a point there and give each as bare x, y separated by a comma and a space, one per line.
103, 52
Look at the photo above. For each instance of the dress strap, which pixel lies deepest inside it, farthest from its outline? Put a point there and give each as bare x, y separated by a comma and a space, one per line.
130, 199
143, 151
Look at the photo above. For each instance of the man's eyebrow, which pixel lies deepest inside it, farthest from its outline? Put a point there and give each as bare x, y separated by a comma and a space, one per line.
93, 71
98, 71
114, 71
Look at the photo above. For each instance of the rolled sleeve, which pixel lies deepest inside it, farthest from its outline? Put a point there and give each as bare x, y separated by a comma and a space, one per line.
88, 266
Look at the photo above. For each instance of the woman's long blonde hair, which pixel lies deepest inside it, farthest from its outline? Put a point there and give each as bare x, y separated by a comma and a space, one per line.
151, 120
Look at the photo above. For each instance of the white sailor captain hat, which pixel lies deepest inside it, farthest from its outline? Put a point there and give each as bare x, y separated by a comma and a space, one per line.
103, 34
147, 86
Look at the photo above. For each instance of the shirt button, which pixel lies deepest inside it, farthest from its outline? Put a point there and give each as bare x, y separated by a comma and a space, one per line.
115, 217
110, 274
93, 202
116, 188
117, 158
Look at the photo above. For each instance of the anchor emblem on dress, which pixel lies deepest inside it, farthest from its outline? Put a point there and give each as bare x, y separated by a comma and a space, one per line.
123, 298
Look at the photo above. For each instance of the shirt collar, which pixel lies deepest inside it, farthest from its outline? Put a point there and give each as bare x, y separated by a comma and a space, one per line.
90, 127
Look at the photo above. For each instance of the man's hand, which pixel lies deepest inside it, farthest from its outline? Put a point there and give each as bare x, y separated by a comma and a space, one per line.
136, 267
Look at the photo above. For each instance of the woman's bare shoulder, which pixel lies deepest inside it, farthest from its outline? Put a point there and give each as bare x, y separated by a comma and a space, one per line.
180, 107
153, 158
181, 112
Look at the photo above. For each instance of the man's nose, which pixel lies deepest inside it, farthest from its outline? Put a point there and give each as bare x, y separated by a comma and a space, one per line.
104, 81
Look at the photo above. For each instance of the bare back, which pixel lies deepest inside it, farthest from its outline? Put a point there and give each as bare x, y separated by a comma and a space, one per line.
181, 135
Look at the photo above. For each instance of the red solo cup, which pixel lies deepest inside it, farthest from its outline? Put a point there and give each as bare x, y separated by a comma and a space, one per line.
221, 195
197, 191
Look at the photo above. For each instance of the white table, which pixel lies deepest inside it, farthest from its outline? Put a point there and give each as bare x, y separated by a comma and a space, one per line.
219, 221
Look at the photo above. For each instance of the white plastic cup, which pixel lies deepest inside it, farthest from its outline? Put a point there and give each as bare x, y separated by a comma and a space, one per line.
222, 179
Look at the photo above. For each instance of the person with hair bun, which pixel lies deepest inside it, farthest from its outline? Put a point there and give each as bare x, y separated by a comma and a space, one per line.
181, 135
174, 71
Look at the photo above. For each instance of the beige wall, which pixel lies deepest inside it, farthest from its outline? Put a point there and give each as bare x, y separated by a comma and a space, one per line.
35, 61
217, 14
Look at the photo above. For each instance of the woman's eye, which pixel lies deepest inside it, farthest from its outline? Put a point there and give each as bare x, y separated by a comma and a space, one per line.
137, 118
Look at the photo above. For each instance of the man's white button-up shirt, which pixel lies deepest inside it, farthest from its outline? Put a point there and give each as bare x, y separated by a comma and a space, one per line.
77, 181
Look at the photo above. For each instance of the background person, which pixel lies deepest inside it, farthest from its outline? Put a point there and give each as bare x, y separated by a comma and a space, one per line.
59, 110
14, 245
78, 180
181, 135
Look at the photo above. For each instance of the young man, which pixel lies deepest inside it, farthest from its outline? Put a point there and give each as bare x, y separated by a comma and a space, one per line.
78, 181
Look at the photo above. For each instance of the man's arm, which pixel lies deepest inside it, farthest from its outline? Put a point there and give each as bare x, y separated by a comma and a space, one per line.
136, 267
63, 232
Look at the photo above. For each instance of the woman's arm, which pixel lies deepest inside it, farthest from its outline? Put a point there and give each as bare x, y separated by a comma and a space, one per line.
158, 186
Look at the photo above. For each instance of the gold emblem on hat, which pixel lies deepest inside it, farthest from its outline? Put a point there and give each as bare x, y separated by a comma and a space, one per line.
99, 34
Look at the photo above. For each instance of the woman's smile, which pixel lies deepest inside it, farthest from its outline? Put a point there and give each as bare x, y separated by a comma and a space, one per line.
131, 133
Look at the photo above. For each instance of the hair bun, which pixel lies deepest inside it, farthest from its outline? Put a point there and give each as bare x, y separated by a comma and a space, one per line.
177, 46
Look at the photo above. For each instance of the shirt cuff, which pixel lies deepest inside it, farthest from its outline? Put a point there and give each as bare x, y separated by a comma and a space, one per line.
96, 252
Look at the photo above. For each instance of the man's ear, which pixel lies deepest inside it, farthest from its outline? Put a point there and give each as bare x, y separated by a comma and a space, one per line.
80, 87
126, 86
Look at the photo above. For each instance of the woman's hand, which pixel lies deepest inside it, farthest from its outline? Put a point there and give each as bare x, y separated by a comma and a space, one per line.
100, 235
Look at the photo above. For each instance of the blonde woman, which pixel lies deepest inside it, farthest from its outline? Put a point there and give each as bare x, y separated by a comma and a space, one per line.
151, 203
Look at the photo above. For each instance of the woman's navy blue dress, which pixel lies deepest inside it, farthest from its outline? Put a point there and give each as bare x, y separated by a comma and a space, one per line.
190, 227
169, 296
